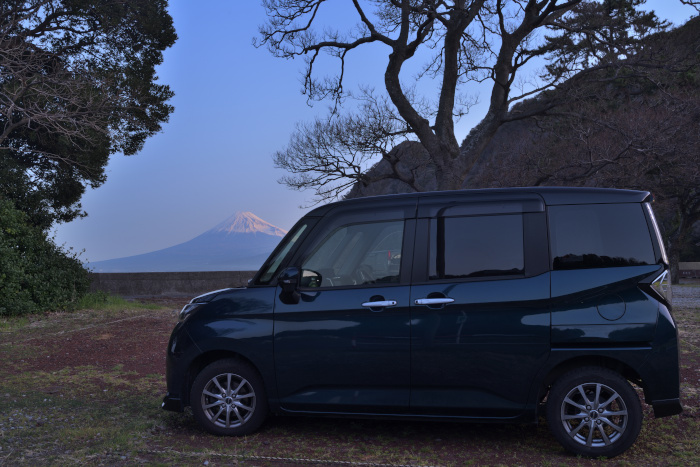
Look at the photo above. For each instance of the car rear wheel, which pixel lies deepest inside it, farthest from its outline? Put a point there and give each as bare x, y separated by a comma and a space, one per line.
594, 412
228, 398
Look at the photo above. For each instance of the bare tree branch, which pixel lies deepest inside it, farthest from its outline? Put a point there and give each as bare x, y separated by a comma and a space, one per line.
694, 3
457, 42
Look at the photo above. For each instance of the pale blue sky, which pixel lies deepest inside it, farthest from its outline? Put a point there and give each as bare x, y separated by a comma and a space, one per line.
234, 106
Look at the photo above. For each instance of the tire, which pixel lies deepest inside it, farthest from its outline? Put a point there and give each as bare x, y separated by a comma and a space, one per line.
594, 412
228, 398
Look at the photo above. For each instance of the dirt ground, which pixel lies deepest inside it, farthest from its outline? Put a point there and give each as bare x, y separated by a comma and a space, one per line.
137, 343
85, 388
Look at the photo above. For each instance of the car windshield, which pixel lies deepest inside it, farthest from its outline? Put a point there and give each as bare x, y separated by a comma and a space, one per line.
271, 266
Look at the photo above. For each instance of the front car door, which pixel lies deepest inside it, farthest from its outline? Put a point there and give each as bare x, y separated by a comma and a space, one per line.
344, 345
480, 319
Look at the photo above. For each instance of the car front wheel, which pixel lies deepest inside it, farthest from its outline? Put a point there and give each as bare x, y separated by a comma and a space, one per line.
228, 398
594, 412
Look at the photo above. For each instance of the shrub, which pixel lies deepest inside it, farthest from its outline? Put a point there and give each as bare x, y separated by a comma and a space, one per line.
35, 274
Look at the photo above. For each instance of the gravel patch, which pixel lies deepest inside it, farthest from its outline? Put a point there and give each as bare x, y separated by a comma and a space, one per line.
686, 296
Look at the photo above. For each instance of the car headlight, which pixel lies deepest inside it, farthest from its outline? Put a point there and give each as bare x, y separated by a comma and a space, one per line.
196, 302
188, 309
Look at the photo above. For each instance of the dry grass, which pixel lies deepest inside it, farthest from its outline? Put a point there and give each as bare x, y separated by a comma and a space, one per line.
107, 413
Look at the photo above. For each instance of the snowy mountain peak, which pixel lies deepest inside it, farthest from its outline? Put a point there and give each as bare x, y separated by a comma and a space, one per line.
247, 222
227, 247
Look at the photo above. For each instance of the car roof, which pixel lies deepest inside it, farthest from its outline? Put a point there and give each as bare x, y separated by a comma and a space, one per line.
550, 195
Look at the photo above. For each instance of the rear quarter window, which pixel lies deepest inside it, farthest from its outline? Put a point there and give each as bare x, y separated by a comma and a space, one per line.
599, 236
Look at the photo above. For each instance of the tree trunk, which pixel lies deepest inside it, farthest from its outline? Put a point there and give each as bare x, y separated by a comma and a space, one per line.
674, 259
473, 147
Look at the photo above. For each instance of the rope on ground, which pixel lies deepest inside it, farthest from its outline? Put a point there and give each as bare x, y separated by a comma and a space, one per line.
77, 330
294, 460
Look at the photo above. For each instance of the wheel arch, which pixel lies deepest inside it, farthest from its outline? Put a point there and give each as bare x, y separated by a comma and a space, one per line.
618, 366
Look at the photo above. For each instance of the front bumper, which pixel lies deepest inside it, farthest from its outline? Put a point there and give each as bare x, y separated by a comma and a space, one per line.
173, 404
181, 352
666, 408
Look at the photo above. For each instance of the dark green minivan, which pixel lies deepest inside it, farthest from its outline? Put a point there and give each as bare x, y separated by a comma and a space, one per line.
474, 305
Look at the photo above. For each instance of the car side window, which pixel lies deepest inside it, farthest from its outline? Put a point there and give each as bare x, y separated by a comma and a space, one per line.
599, 236
357, 254
476, 246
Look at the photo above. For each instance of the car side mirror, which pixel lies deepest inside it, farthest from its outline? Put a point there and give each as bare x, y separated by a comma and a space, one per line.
288, 281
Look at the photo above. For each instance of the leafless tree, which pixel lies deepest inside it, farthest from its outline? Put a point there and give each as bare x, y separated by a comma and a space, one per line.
457, 42
335, 153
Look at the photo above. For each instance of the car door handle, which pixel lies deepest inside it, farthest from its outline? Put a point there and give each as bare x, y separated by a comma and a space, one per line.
380, 304
434, 301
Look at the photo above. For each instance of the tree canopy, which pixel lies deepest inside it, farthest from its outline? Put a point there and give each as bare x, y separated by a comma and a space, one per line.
458, 42
77, 84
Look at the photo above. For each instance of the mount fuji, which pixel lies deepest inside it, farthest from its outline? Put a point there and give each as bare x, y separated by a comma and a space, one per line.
240, 243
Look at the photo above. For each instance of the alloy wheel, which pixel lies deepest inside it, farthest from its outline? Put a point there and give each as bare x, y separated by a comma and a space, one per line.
228, 400
594, 415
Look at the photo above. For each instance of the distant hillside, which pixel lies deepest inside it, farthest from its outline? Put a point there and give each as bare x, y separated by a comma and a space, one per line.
673, 65
680, 42
241, 242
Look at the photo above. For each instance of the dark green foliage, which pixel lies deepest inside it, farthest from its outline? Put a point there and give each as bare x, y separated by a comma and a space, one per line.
45, 189
35, 274
77, 84
600, 35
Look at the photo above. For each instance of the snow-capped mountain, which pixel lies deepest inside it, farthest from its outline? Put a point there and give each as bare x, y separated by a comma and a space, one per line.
247, 222
241, 242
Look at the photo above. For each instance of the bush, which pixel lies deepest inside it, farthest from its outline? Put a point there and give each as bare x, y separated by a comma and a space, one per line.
35, 274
